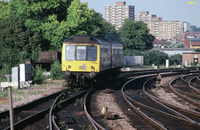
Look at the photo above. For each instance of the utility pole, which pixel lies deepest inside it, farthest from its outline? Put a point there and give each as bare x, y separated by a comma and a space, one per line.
10, 101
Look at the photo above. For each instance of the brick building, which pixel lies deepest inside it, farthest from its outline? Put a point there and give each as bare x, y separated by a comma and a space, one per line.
188, 58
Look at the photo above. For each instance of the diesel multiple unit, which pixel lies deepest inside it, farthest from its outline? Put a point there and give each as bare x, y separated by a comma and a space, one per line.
85, 58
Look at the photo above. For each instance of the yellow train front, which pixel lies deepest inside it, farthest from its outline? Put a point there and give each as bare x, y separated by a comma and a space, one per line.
86, 59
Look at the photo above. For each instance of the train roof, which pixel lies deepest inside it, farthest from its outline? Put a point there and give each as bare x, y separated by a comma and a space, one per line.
89, 39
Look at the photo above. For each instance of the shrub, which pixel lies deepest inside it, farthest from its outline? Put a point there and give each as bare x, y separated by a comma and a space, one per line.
155, 57
37, 75
175, 59
56, 71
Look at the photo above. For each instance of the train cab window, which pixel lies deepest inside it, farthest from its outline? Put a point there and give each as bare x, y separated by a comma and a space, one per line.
92, 53
70, 52
81, 53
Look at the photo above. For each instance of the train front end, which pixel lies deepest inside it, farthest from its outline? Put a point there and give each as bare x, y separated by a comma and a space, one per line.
80, 60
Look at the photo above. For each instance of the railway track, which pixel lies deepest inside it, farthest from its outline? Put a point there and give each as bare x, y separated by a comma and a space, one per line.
194, 84
181, 89
63, 112
25, 113
60, 115
117, 113
191, 115
160, 116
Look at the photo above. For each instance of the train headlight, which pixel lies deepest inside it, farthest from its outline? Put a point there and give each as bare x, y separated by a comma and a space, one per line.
92, 67
92, 74
67, 73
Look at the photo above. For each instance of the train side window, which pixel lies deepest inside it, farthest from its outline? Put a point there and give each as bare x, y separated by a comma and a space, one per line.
92, 53
81, 53
70, 52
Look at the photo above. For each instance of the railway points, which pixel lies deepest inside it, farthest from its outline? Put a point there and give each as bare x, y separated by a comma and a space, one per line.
119, 114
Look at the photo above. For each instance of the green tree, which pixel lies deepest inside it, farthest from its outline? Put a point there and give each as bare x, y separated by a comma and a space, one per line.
16, 41
44, 18
154, 57
57, 20
195, 29
197, 50
175, 59
4, 9
102, 28
79, 18
16, 36
56, 71
135, 35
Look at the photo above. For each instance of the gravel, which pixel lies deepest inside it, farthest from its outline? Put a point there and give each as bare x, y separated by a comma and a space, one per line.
32, 93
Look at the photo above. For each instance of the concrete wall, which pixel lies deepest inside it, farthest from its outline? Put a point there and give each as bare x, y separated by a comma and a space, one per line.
173, 51
133, 60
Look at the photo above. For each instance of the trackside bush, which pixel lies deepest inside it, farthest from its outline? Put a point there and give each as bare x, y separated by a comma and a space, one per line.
37, 75
56, 71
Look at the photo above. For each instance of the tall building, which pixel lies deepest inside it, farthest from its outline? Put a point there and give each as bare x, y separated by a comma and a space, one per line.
186, 26
160, 28
118, 13
145, 16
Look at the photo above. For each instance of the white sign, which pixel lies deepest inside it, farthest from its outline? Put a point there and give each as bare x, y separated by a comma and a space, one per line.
6, 84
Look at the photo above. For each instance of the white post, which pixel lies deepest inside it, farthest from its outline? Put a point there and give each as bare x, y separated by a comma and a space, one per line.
167, 63
186, 63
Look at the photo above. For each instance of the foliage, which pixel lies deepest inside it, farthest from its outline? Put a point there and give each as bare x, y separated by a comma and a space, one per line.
4, 93
2, 73
37, 75
135, 35
175, 59
102, 28
4, 9
79, 18
154, 57
176, 44
54, 21
134, 53
197, 50
16, 36
195, 29
17, 42
42, 17
193, 64
56, 71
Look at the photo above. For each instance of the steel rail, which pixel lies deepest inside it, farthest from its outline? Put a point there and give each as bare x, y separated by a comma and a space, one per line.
156, 100
190, 85
52, 122
182, 77
20, 124
33, 103
180, 95
95, 125
155, 123
196, 85
194, 113
30, 119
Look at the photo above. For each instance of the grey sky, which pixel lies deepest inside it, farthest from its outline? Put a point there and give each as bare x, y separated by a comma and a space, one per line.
183, 10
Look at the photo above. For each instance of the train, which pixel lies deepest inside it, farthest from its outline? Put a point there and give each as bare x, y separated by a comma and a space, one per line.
87, 59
